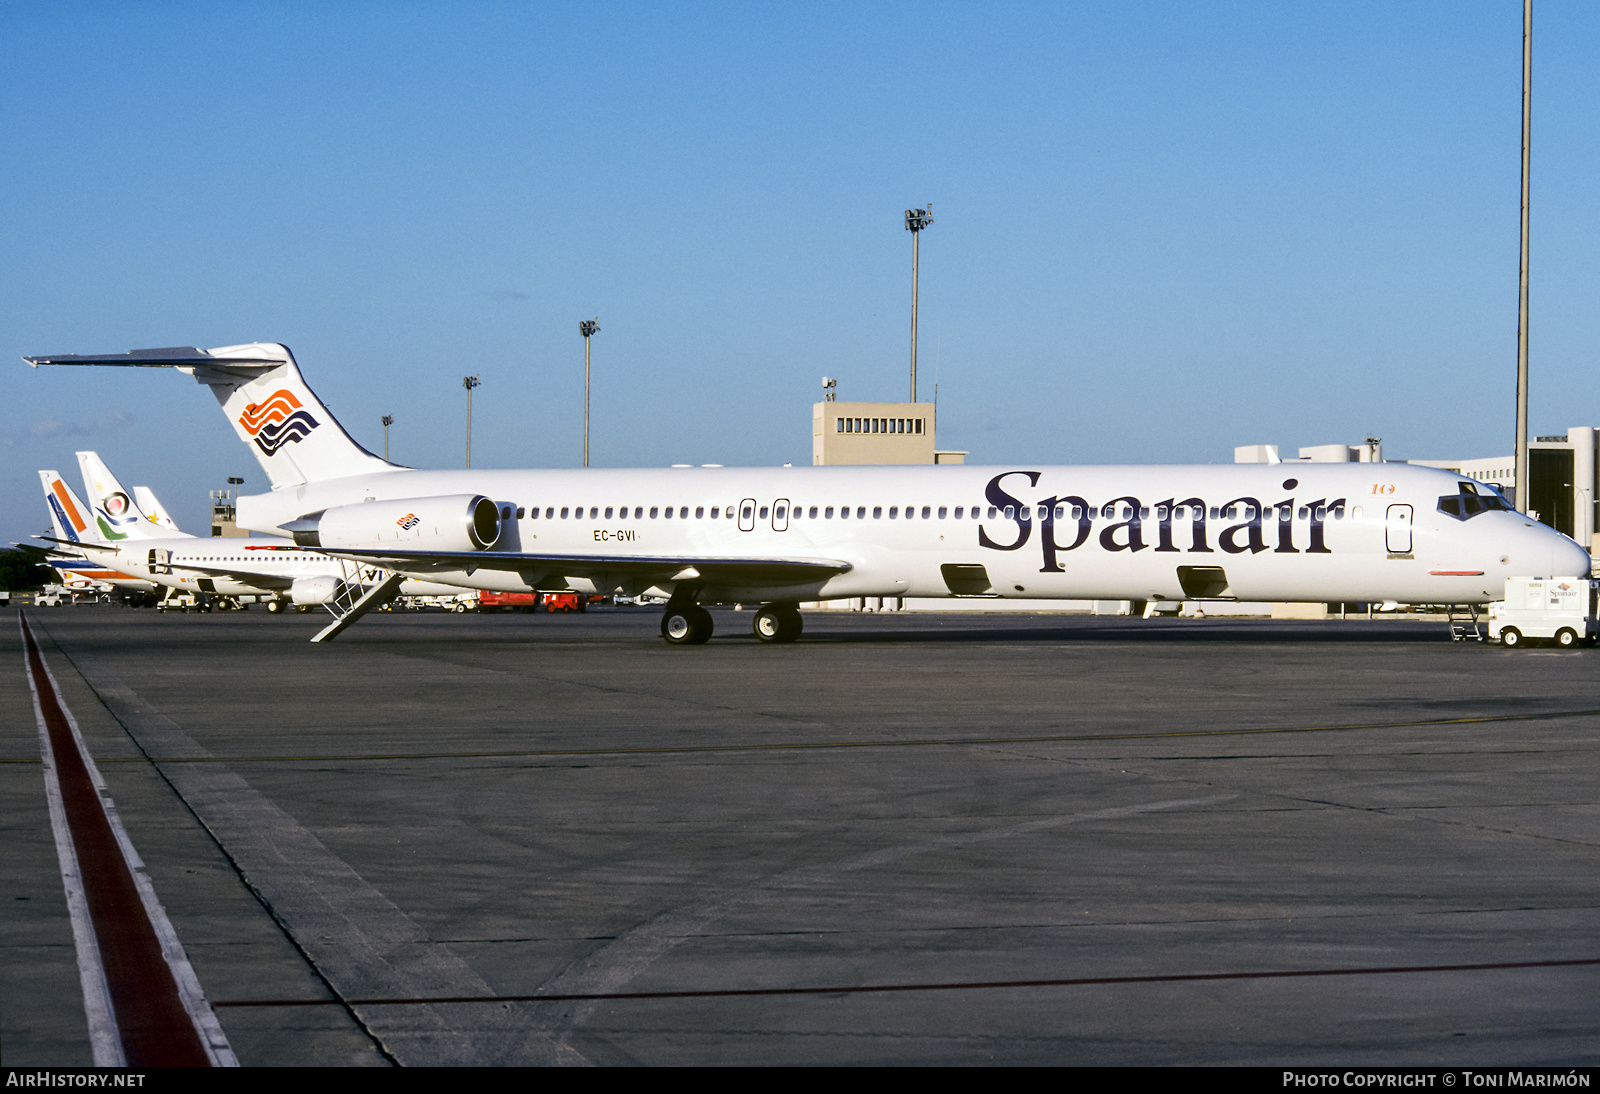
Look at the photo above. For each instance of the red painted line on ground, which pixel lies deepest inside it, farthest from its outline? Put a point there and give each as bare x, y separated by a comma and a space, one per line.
965, 985
155, 1029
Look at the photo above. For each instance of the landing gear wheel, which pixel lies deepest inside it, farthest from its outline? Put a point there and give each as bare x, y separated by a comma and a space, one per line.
777, 623
1510, 637
274, 606
686, 626
1566, 638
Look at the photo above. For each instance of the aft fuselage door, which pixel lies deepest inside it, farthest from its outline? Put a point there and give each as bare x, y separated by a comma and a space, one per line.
1397, 529
160, 561
747, 515
780, 515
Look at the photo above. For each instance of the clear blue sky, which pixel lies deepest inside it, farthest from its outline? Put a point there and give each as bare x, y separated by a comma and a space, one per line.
1161, 230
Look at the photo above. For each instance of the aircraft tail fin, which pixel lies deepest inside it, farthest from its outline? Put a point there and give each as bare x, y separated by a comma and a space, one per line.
273, 410
112, 509
154, 511
69, 517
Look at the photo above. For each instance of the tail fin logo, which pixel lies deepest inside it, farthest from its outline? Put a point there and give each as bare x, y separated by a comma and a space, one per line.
276, 421
68, 512
61, 518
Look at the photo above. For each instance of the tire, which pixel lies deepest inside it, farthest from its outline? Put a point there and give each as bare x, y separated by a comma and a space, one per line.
1566, 638
458, 607
777, 623
275, 606
1510, 637
686, 626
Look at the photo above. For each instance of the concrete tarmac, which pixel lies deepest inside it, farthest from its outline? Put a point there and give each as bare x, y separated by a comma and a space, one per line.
1056, 839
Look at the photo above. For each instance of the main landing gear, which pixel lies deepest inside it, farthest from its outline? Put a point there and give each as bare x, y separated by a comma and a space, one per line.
686, 626
690, 624
778, 623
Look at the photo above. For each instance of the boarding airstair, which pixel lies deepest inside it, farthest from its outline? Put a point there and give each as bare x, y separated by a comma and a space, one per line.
1464, 625
361, 589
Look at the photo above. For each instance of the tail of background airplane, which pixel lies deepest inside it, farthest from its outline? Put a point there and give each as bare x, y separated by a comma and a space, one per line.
292, 434
153, 510
68, 516
114, 512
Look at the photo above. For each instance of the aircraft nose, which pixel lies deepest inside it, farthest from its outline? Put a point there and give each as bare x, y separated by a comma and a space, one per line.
1570, 560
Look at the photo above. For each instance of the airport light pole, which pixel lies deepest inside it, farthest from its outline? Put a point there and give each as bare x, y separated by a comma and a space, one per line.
388, 420
1524, 475
469, 382
588, 328
916, 220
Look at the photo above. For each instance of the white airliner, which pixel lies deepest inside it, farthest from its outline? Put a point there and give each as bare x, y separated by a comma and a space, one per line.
1261, 532
135, 543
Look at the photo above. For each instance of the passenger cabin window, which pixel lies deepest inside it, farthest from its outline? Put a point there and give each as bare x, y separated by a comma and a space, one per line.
563, 512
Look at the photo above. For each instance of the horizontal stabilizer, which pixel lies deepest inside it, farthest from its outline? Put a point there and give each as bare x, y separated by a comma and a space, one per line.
169, 357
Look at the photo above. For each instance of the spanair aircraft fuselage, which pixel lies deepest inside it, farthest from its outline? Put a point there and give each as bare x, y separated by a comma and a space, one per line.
779, 536
1266, 532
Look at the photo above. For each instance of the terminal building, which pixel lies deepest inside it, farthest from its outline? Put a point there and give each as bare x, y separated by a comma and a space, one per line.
876, 433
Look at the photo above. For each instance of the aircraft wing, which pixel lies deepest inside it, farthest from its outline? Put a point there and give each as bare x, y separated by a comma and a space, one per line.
715, 570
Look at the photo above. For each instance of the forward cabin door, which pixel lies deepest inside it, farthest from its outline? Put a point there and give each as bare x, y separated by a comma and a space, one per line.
1397, 529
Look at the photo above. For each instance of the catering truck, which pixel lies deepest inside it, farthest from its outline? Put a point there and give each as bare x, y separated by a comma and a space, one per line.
1561, 609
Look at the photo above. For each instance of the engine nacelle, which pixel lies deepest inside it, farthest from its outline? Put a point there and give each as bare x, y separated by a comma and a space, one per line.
455, 522
321, 589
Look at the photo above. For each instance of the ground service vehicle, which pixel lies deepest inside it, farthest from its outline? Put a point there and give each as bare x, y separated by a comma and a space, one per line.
489, 601
1561, 609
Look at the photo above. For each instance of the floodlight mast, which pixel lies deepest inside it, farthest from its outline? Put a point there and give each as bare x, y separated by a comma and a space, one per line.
916, 220
388, 420
469, 382
1524, 472
588, 328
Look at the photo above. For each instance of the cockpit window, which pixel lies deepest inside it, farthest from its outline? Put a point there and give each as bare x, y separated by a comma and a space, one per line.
1469, 502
